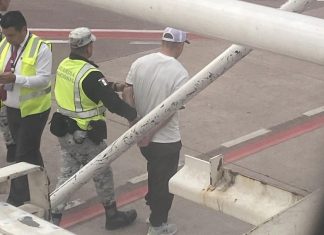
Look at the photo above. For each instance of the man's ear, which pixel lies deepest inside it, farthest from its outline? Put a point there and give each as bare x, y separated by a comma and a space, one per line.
89, 49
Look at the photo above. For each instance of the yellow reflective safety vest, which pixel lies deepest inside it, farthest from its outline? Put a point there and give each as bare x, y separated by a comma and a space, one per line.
31, 100
69, 94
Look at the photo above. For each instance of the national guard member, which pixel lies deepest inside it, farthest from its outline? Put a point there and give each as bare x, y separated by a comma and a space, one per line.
83, 94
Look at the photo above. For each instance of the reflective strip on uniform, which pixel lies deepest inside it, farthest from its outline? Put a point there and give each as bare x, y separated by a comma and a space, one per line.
32, 51
34, 47
85, 114
35, 94
49, 44
77, 100
3, 45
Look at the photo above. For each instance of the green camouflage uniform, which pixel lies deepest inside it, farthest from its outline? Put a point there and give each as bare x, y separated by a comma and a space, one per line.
78, 150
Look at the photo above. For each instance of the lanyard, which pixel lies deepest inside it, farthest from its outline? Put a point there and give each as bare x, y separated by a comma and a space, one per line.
14, 63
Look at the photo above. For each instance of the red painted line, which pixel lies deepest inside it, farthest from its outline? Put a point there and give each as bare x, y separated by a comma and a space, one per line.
274, 139
111, 34
97, 209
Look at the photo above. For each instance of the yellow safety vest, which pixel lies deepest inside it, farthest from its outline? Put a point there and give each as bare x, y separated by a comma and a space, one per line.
31, 100
69, 94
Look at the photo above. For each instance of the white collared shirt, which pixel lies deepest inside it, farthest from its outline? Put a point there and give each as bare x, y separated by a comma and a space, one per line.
41, 80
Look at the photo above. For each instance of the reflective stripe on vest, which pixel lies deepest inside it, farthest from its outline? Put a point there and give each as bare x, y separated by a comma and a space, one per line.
86, 114
3, 45
77, 101
35, 94
34, 47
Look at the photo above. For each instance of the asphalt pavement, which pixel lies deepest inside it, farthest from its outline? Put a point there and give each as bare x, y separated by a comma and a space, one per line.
263, 91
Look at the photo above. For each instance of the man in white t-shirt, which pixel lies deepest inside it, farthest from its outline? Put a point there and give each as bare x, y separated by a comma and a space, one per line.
151, 79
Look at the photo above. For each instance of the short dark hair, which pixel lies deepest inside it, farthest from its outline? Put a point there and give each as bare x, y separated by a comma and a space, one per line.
80, 50
170, 45
13, 19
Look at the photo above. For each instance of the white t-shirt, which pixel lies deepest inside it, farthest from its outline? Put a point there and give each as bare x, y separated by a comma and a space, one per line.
154, 78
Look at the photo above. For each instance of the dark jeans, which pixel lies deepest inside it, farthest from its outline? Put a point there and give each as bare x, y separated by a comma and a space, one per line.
27, 133
162, 164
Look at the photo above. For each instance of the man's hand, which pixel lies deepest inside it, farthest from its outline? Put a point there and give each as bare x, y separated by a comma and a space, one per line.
128, 95
145, 141
7, 77
132, 123
119, 87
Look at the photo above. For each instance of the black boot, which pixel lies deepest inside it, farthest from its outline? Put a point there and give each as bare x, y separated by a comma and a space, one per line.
117, 219
11, 152
56, 218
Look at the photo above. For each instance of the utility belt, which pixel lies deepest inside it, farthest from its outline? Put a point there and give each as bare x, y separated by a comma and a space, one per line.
60, 125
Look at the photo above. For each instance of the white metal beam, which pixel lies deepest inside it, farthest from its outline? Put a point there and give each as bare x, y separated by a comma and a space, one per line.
15, 221
229, 192
241, 22
300, 219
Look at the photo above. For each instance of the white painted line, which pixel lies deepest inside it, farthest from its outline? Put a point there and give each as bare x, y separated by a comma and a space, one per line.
314, 111
246, 137
145, 43
59, 41
138, 179
73, 203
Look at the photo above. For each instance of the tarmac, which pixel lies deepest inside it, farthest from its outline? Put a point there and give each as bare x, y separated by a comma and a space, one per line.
264, 91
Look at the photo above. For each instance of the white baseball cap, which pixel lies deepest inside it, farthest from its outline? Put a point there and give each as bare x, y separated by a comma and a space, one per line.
80, 37
174, 35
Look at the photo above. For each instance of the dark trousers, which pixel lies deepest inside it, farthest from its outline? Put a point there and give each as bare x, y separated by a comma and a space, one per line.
162, 164
26, 133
